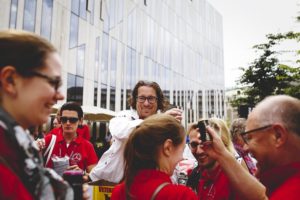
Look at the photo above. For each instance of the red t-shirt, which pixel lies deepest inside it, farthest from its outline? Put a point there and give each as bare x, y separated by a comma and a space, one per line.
80, 151
11, 186
283, 182
215, 185
84, 131
146, 182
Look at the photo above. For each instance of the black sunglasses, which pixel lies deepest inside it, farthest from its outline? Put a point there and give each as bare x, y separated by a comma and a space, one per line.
70, 119
193, 145
55, 82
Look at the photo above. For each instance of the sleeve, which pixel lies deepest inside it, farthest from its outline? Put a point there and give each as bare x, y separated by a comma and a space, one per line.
123, 124
11, 186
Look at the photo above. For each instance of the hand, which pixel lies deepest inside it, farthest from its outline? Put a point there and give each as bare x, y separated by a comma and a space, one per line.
214, 148
175, 112
40, 143
86, 191
73, 167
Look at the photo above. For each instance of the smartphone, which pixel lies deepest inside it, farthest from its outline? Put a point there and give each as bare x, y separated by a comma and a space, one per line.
75, 179
204, 136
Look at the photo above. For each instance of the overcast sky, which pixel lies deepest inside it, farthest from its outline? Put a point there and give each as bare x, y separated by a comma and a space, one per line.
245, 24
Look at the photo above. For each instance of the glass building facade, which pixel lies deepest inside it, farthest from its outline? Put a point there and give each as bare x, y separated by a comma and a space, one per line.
108, 45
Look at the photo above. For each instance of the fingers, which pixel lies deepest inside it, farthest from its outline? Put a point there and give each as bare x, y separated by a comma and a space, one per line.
40, 143
73, 167
175, 112
85, 192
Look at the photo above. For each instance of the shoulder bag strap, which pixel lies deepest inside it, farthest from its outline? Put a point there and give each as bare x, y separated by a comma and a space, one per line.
50, 148
156, 191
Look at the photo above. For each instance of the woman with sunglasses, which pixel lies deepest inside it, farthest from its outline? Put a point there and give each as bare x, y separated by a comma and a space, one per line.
30, 77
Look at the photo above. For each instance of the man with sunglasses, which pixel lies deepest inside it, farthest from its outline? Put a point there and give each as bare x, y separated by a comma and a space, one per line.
208, 179
273, 137
79, 150
147, 99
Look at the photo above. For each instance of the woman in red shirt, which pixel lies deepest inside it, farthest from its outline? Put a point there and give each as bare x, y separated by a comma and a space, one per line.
151, 154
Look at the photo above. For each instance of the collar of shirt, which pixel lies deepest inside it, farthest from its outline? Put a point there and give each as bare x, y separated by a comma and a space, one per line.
77, 140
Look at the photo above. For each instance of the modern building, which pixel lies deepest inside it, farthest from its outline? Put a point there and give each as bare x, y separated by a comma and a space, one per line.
108, 45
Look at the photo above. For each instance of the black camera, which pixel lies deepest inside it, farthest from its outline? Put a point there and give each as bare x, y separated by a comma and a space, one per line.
75, 179
204, 136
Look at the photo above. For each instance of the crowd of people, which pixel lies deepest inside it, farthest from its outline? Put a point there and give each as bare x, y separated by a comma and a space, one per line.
254, 158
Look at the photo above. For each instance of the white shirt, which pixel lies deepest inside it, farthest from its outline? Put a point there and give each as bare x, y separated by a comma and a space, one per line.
110, 167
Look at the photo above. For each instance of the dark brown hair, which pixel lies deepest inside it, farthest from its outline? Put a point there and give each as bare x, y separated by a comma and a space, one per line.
23, 50
161, 101
142, 147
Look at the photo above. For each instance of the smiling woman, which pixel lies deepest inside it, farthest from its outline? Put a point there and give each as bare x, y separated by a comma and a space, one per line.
29, 81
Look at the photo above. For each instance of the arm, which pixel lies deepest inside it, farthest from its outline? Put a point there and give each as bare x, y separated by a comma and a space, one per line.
121, 125
243, 182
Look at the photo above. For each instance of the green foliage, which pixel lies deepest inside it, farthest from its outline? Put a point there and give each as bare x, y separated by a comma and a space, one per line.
266, 76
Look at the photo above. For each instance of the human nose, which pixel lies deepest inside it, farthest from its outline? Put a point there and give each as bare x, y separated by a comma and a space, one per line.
59, 95
146, 101
246, 147
199, 150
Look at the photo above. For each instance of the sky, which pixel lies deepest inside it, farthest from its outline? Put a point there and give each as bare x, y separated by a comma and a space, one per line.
246, 23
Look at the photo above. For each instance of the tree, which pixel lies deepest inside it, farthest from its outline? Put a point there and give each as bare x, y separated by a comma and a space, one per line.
266, 75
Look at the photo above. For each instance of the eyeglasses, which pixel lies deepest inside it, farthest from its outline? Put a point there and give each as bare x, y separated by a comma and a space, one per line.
70, 119
245, 135
193, 145
142, 99
55, 82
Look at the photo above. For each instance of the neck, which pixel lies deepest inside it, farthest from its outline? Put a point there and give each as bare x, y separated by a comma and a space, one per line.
211, 169
69, 137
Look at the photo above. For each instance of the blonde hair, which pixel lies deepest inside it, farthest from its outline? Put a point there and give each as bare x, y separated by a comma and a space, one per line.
221, 128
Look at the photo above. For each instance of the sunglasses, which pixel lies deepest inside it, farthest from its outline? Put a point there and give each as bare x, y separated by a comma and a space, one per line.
70, 119
194, 145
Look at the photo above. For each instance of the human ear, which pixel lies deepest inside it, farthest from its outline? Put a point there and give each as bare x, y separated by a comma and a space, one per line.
280, 134
167, 147
7, 76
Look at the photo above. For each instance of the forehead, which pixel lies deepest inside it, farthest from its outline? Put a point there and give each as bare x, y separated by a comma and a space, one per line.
194, 134
146, 91
69, 113
53, 64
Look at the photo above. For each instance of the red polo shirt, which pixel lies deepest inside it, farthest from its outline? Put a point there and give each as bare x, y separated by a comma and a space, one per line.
146, 182
80, 151
215, 185
83, 132
282, 182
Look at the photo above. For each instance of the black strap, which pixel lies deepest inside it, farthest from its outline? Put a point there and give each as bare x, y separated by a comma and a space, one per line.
158, 189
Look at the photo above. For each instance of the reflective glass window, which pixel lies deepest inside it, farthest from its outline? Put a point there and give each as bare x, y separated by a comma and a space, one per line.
80, 60
74, 25
29, 15
104, 59
13, 14
46, 18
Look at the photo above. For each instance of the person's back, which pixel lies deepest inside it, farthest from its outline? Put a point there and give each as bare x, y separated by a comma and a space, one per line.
151, 154
146, 183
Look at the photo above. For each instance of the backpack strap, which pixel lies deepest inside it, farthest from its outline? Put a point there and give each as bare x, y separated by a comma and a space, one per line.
50, 148
158, 189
